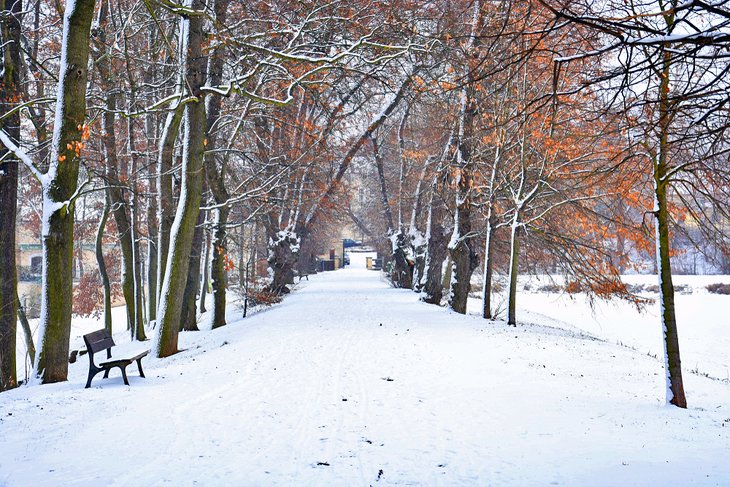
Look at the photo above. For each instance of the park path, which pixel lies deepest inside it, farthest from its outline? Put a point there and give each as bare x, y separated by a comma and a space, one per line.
350, 382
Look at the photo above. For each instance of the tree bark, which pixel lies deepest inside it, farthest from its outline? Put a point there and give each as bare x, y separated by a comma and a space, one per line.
10, 42
215, 174
672, 362
205, 270
166, 208
183, 227
102, 266
463, 256
61, 184
435, 254
218, 267
115, 191
188, 316
27, 333
488, 269
513, 270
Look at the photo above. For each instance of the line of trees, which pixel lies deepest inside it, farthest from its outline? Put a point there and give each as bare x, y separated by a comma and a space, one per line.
498, 137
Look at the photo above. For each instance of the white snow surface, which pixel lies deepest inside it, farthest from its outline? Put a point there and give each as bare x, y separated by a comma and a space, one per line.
352, 382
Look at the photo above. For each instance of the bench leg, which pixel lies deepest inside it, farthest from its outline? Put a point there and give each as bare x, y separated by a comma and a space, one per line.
106, 373
88, 381
139, 367
124, 374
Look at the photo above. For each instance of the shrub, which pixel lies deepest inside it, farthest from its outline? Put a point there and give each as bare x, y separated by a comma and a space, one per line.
573, 287
550, 288
718, 288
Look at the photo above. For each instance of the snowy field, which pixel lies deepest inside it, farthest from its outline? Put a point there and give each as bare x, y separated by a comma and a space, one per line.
351, 382
702, 320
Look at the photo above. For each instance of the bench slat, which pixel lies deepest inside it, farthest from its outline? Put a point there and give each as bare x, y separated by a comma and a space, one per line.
116, 362
98, 340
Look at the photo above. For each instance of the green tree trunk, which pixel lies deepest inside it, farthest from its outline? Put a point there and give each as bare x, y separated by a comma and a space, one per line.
183, 227
60, 185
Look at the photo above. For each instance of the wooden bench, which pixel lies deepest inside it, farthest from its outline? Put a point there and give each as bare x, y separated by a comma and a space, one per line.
101, 340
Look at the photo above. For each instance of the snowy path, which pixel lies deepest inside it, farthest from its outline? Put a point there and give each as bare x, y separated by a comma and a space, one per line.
350, 382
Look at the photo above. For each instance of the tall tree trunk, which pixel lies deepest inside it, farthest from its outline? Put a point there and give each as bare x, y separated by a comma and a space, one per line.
463, 256
282, 257
99, 247
488, 269
115, 192
435, 254
183, 228
119, 206
189, 315
166, 208
152, 130
672, 363
61, 183
514, 256
137, 330
218, 267
27, 333
205, 270
10, 49
215, 173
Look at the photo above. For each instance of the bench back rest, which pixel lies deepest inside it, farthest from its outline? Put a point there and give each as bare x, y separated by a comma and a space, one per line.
97, 341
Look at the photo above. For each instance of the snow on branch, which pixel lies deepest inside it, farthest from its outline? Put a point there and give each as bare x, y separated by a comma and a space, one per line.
24, 157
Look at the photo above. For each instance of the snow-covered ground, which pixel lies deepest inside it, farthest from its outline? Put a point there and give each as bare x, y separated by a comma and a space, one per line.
351, 382
702, 320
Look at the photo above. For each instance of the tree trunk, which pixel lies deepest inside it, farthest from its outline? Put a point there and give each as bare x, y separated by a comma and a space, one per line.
215, 174
401, 274
488, 268
183, 228
27, 333
218, 268
152, 258
672, 363
435, 255
102, 267
188, 316
282, 258
119, 206
513, 270
463, 256
61, 184
166, 208
152, 131
115, 192
205, 270
10, 49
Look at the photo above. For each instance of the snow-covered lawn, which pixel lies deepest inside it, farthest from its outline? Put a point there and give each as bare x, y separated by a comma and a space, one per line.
702, 319
351, 382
